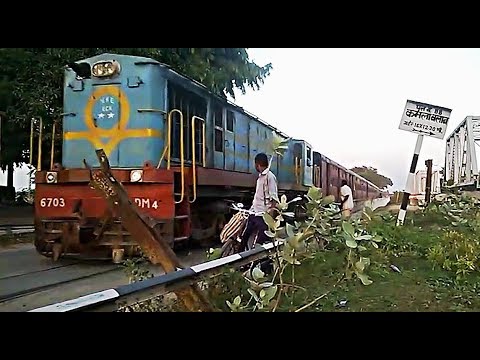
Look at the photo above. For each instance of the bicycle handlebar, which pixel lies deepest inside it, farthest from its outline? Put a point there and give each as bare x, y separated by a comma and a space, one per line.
245, 211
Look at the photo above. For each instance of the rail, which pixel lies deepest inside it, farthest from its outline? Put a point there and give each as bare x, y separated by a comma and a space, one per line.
9, 229
31, 143
169, 151
40, 141
194, 160
39, 159
110, 300
39, 156
52, 150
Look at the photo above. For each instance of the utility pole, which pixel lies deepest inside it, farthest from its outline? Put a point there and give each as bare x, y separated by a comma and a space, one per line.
428, 185
0, 136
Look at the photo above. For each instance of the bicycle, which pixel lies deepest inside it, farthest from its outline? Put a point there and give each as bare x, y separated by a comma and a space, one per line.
232, 232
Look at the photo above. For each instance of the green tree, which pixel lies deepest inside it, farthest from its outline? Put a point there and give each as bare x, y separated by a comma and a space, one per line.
32, 82
372, 175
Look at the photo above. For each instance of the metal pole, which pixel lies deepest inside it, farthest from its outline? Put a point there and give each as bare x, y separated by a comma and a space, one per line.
428, 186
410, 181
0, 137
39, 159
52, 151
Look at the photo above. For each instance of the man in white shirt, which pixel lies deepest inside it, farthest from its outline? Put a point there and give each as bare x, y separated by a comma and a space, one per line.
263, 201
347, 199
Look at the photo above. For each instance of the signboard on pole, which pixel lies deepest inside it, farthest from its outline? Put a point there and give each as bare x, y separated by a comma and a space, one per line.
425, 119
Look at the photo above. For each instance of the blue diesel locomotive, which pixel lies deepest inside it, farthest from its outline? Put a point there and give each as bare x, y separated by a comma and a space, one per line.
179, 150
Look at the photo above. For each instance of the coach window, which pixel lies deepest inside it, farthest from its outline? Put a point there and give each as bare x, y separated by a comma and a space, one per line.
317, 159
309, 156
218, 121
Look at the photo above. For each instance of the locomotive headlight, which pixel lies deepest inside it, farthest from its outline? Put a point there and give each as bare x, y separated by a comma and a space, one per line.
51, 177
105, 68
136, 175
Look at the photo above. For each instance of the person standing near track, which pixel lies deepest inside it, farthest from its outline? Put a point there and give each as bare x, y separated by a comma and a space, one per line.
346, 197
264, 201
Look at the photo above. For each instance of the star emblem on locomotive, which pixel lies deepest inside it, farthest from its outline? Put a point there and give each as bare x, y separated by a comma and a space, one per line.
102, 115
106, 116
104, 109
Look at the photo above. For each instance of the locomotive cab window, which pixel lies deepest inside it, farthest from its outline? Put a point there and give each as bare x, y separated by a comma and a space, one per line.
230, 120
217, 113
218, 121
297, 154
297, 150
190, 105
218, 140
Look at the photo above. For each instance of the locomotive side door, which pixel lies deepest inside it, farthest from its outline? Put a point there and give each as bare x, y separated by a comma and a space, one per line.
230, 141
308, 166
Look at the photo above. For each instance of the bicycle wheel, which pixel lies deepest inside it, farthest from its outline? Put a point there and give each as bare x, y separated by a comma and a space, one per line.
230, 247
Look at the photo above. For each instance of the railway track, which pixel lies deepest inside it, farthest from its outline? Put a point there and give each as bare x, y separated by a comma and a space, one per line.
42, 280
29, 280
8, 229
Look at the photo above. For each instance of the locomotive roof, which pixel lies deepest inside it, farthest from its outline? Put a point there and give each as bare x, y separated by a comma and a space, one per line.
224, 100
146, 60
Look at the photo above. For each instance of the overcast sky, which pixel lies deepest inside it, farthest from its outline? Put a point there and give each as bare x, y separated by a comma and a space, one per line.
348, 102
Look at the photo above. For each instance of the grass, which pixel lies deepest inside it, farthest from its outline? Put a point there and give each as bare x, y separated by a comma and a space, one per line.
418, 287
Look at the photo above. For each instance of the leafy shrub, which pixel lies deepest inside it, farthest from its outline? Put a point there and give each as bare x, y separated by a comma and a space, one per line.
301, 241
399, 240
456, 252
457, 210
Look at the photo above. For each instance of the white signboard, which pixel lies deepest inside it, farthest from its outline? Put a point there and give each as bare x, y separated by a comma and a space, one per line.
425, 119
